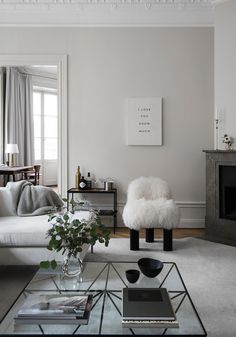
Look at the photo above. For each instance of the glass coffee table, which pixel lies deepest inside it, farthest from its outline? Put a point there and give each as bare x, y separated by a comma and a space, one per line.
105, 281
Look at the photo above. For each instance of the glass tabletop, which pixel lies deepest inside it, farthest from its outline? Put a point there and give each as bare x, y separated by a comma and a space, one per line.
105, 281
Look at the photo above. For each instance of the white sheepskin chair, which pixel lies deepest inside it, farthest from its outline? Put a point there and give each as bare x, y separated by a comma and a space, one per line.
149, 205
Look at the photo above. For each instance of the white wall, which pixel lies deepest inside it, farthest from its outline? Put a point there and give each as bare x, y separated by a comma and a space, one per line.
107, 65
225, 65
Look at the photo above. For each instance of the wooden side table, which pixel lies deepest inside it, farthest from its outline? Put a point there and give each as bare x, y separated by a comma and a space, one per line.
8, 171
104, 212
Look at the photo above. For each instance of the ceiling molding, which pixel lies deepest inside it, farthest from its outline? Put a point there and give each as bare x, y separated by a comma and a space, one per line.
107, 12
161, 3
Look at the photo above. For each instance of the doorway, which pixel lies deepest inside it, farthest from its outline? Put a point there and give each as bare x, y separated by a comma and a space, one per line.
60, 163
45, 118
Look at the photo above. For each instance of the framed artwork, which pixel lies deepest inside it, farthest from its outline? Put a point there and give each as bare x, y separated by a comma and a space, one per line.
144, 120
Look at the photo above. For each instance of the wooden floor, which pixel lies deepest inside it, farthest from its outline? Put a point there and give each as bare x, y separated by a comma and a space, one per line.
123, 232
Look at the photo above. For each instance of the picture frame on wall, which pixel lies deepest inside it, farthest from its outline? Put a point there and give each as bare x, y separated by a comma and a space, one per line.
144, 116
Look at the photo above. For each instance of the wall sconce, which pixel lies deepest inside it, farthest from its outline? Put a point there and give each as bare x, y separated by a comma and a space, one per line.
11, 150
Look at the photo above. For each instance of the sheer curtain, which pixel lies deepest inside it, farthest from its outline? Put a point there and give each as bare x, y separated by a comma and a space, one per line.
19, 114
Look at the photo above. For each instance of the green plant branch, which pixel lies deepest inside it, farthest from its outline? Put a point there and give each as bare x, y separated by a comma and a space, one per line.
69, 235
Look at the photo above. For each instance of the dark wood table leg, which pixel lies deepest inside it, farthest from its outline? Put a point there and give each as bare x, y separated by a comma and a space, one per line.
115, 211
5, 180
114, 222
67, 202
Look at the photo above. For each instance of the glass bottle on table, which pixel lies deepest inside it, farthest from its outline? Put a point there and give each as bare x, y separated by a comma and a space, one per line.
77, 177
89, 181
82, 184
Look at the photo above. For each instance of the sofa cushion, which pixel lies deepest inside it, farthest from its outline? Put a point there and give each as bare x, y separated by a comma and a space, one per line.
6, 202
28, 231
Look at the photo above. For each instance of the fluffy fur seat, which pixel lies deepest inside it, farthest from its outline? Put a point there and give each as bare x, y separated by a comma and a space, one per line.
149, 205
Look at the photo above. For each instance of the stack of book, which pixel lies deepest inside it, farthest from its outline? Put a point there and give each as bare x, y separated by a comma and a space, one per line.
55, 309
148, 307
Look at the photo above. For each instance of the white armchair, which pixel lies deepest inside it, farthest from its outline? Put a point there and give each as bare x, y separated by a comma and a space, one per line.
149, 205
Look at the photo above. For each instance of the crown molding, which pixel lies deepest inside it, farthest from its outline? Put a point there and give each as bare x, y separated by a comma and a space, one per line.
107, 12
161, 3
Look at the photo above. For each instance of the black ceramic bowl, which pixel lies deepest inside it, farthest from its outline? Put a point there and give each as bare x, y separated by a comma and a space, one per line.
150, 267
132, 275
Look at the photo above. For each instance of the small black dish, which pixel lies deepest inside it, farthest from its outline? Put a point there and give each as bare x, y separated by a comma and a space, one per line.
150, 267
132, 275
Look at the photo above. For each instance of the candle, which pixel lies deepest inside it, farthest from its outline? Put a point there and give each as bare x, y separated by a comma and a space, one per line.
216, 114
216, 122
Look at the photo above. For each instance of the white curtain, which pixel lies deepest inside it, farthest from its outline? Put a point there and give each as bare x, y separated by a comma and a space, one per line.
1, 115
19, 114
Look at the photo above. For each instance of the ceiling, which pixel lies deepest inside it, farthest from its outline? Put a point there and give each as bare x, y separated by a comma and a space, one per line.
45, 71
108, 12
51, 69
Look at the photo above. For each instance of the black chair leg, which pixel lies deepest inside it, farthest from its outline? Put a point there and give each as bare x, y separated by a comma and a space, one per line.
167, 239
134, 239
149, 234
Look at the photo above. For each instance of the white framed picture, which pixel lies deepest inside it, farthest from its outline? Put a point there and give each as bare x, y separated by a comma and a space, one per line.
144, 120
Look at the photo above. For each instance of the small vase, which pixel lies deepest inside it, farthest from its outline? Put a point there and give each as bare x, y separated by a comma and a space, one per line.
72, 266
228, 147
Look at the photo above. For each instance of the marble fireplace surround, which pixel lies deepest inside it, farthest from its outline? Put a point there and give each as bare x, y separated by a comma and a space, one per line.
218, 227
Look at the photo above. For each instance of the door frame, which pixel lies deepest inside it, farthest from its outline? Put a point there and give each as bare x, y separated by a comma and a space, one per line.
60, 61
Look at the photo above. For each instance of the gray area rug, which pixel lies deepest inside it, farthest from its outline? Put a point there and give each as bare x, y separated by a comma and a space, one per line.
208, 270
13, 280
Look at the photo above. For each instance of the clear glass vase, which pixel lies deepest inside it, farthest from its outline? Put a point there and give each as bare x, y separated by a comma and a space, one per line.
72, 266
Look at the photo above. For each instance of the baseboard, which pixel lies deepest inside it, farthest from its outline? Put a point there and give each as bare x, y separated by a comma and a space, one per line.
192, 223
192, 213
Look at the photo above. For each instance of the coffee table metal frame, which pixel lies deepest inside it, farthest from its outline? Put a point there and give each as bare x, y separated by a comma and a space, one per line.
114, 295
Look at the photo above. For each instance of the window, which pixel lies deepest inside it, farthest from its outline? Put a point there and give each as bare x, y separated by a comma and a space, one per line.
45, 125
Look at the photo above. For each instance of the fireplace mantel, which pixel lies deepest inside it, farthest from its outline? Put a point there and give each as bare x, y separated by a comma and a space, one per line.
219, 151
219, 228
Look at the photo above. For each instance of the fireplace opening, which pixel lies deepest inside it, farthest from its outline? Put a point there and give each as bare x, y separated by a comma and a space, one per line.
227, 195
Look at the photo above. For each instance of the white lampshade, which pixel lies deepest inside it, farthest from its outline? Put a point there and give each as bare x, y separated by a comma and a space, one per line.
11, 148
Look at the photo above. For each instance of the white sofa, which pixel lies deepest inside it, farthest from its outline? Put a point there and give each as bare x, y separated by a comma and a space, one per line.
23, 238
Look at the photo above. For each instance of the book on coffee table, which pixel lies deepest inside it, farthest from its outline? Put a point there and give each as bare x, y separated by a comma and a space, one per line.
149, 307
51, 309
